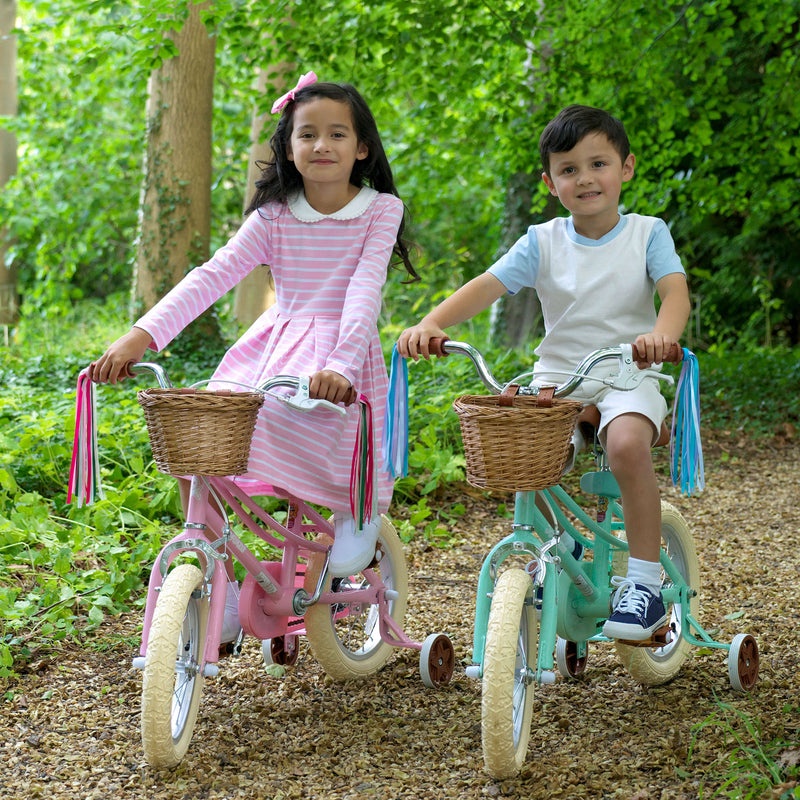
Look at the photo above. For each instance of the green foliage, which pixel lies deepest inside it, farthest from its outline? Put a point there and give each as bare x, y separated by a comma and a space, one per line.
62, 569
70, 213
754, 768
706, 91
64, 241
752, 391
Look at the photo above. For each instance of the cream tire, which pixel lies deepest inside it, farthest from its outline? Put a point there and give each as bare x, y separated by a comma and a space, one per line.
173, 679
653, 666
510, 652
345, 639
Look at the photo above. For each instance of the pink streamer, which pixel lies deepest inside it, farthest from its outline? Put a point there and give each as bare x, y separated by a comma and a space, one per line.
84, 472
363, 471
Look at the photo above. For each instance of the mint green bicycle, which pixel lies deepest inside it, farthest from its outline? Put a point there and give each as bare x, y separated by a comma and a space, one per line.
544, 591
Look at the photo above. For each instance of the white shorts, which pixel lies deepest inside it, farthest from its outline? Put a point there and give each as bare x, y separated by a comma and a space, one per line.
646, 399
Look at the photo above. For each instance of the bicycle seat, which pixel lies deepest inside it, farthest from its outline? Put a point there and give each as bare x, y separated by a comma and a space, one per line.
589, 422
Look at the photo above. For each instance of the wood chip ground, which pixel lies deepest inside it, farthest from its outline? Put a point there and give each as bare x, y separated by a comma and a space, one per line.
70, 722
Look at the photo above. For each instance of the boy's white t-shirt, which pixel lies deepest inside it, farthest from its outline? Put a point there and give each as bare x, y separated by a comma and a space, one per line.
593, 292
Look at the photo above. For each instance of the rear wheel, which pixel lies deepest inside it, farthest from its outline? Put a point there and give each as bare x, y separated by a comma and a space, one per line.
652, 666
345, 637
509, 666
173, 678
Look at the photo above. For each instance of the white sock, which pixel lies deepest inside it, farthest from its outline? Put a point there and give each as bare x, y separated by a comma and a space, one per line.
645, 573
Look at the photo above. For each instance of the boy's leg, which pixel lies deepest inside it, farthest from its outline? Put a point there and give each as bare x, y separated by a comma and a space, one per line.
638, 609
628, 444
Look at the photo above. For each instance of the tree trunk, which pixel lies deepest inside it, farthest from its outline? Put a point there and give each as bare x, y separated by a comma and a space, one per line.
175, 204
256, 292
518, 318
9, 300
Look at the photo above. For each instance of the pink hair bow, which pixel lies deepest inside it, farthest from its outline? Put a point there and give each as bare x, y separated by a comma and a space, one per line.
305, 80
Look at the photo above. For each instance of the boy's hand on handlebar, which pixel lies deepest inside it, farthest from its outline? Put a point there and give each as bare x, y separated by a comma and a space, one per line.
415, 341
331, 386
115, 364
653, 348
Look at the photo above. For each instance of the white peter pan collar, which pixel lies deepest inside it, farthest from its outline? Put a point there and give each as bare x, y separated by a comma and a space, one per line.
302, 210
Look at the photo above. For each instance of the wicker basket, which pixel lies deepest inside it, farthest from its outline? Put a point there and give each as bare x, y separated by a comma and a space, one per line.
196, 432
517, 448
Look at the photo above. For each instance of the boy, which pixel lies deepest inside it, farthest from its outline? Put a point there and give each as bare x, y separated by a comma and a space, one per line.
595, 273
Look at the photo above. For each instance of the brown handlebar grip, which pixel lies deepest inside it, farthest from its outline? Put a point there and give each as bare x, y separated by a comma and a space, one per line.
674, 356
436, 347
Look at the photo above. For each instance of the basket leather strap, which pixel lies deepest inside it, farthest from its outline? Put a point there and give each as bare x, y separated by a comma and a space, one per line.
545, 397
506, 397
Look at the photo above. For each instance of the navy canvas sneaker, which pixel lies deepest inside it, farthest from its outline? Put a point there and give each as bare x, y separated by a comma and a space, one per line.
638, 613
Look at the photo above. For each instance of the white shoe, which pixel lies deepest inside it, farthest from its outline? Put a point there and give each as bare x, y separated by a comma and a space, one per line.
230, 622
352, 550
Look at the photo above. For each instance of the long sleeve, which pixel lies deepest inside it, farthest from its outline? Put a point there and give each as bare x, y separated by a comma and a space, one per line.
363, 301
205, 284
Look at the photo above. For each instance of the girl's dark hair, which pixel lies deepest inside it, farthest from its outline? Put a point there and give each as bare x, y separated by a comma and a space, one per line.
280, 178
572, 124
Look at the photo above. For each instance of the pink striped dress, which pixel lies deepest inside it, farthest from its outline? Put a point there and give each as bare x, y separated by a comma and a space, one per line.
329, 272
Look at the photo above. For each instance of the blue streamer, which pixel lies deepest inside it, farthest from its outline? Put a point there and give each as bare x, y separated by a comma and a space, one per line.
394, 447
686, 450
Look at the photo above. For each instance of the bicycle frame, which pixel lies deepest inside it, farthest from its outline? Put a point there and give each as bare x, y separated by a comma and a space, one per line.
283, 598
575, 595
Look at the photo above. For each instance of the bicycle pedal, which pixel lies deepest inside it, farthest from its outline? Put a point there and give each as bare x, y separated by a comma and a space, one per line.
659, 638
376, 559
233, 648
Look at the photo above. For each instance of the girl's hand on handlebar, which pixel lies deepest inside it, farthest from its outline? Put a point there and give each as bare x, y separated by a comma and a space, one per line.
115, 364
415, 341
653, 348
331, 386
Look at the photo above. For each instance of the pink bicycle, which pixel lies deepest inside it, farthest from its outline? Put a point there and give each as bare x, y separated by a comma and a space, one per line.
352, 624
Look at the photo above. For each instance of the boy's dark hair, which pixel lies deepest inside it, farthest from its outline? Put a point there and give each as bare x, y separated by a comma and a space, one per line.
280, 178
572, 124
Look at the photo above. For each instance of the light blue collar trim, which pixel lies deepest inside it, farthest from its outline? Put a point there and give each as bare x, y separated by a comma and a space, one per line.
610, 236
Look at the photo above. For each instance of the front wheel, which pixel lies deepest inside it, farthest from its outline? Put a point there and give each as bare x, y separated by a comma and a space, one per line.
173, 678
654, 666
509, 666
345, 637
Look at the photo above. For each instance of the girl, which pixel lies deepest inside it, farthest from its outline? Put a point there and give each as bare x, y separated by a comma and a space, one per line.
327, 218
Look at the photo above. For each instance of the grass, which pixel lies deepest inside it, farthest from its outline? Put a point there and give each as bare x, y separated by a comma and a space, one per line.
753, 769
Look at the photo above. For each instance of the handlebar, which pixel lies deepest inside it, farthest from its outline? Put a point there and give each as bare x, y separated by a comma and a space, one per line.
629, 376
300, 400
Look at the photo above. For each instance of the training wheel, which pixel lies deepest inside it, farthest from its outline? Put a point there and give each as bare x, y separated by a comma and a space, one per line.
281, 650
570, 664
743, 662
437, 660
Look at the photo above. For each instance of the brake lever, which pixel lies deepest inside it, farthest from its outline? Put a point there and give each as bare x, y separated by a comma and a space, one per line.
301, 400
630, 376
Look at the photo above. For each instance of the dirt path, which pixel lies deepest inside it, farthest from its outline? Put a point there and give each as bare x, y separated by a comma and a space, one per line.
69, 726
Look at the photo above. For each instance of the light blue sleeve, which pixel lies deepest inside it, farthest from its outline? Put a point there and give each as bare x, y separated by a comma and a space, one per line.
519, 267
661, 256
